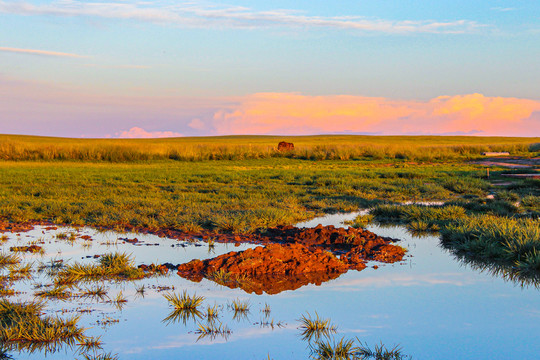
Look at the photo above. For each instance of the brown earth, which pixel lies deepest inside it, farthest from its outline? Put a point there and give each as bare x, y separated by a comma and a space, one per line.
272, 269
294, 257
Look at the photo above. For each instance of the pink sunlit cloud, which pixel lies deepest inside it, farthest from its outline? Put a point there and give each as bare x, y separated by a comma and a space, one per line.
140, 133
61, 110
291, 113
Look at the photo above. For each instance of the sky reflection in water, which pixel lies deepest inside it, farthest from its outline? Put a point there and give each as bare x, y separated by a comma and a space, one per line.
432, 305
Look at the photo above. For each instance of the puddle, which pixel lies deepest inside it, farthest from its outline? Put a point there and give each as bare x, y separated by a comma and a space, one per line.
431, 304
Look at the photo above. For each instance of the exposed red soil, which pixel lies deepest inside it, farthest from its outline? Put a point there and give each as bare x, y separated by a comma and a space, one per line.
153, 268
272, 269
6, 226
294, 257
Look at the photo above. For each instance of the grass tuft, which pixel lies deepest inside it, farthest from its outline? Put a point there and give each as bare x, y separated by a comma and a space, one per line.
184, 301
316, 327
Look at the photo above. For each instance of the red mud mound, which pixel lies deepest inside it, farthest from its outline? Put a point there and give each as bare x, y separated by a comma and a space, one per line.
271, 269
294, 257
325, 236
354, 245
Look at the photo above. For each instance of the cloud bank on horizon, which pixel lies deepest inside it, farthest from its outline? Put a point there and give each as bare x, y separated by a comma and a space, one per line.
44, 110
289, 113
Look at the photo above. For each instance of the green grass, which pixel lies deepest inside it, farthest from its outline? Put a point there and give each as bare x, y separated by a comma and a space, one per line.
240, 184
225, 196
501, 239
494, 231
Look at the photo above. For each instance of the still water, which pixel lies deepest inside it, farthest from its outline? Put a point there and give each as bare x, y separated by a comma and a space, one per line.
430, 304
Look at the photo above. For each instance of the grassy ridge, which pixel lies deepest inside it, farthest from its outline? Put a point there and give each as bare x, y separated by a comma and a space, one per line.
322, 147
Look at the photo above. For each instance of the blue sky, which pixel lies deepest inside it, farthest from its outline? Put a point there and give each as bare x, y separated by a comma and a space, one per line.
218, 52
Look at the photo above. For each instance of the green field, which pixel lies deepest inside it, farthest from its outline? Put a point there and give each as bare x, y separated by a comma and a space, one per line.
123, 184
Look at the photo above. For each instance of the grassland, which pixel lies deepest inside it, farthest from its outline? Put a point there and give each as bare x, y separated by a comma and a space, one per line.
336, 147
227, 196
241, 183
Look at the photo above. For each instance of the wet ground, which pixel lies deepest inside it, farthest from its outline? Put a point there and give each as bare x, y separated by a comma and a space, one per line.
431, 304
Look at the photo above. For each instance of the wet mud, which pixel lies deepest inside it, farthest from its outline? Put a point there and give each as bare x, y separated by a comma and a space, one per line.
288, 258
294, 257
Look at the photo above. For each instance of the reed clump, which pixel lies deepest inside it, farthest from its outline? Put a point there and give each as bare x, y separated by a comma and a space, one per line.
184, 300
23, 323
315, 327
119, 266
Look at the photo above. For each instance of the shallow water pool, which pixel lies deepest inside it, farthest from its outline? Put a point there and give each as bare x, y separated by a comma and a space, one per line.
430, 304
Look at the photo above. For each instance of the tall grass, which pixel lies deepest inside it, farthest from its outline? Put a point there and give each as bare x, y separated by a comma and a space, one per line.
325, 147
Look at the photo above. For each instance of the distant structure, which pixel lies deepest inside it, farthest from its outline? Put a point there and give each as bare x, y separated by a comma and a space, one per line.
495, 153
285, 146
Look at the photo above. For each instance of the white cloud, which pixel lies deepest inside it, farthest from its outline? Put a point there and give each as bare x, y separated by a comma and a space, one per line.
196, 15
503, 9
137, 133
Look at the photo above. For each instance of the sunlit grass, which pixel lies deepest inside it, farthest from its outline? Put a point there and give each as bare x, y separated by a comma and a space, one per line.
334, 147
23, 323
7, 259
315, 327
110, 266
184, 300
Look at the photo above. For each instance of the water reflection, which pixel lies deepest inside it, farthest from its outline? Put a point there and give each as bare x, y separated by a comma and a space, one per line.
183, 315
504, 271
271, 284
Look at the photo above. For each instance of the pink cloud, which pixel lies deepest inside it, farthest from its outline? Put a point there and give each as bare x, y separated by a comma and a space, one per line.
30, 107
291, 113
40, 52
137, 132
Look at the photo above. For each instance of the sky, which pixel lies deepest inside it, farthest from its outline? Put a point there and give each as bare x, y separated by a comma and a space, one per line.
191, 68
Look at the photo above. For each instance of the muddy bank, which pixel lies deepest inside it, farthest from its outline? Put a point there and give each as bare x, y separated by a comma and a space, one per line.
294, 257
290, 257
271, 269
